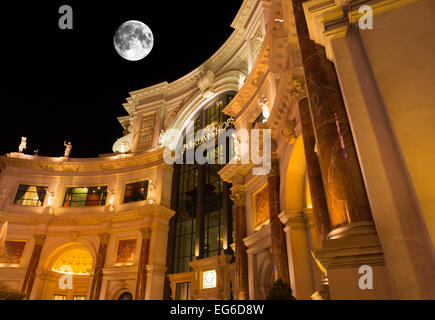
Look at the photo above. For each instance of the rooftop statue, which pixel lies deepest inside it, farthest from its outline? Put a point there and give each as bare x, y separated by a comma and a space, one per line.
23, 144
67, 149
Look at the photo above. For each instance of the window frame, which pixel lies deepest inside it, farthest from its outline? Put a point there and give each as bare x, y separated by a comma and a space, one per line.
133, 182
88, 187
30, 184
208, 113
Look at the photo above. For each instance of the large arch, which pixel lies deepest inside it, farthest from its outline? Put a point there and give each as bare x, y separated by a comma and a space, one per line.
298, 234
295, 178
78, 259
226, 82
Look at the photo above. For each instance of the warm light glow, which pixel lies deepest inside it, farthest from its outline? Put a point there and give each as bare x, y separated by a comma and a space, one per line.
308, 202
72, 273
31, 197
79, 259
209, 279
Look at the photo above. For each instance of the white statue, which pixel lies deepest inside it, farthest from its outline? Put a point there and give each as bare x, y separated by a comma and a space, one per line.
23, 144
264, 103
68, 148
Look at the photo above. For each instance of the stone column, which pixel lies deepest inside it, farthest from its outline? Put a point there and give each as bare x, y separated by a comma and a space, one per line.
344, 187
228, 221
33, 265
320, 209
97, 280
143, 261
199, 240
242, 287
279, 254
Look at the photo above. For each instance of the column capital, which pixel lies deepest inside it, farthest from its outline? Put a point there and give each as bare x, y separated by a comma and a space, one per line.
104, 237
238, 198
292, 219
310, 217
298, 88
39, 238
146, 232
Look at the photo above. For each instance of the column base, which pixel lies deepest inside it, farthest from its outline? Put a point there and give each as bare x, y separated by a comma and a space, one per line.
363, 228
344, 253
323, 292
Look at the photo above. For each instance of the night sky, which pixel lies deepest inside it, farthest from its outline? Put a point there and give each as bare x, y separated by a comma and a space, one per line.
70, 84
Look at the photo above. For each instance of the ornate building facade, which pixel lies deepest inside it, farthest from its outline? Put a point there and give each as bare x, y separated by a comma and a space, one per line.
349, 196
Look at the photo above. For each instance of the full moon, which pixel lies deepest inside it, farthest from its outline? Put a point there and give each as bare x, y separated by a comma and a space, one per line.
133, 40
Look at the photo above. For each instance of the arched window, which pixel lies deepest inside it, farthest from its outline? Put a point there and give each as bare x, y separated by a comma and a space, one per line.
204, 219
125, 296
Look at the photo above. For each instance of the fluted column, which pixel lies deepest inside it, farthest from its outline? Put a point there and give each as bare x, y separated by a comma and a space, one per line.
242, 286
143, 261
33, 265
97, 280
318, 199
342, 179
279, 254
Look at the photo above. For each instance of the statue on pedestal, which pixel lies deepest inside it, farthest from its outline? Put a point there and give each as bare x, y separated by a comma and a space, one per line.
23, 144
68, 148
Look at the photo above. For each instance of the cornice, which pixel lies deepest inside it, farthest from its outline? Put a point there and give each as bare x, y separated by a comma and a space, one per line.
326, 19
244, 14
76, 165
231, 173
89, 219
251, 85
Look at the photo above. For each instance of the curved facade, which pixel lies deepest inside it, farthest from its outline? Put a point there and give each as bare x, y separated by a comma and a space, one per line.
325, 217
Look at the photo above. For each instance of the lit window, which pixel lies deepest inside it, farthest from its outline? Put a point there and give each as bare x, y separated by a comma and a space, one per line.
85, 196
79, 298
59, 297
209, 279
28, 195
136, 191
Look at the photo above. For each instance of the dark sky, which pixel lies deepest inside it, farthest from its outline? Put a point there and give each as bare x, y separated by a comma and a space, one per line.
70, 84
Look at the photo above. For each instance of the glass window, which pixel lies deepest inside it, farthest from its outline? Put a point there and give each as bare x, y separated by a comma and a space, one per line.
212, 196
29, 195
79, 298
59, 297
182, 291
85, 196
136, 191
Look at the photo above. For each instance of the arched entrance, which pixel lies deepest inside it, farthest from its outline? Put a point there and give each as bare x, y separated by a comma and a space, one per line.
299, 236
68, 273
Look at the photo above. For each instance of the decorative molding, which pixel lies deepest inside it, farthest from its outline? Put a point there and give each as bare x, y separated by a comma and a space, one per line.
239, 198
84, 165
293, 219
253, 81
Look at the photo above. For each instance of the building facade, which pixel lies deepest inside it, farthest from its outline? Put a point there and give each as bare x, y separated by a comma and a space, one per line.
345, 211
